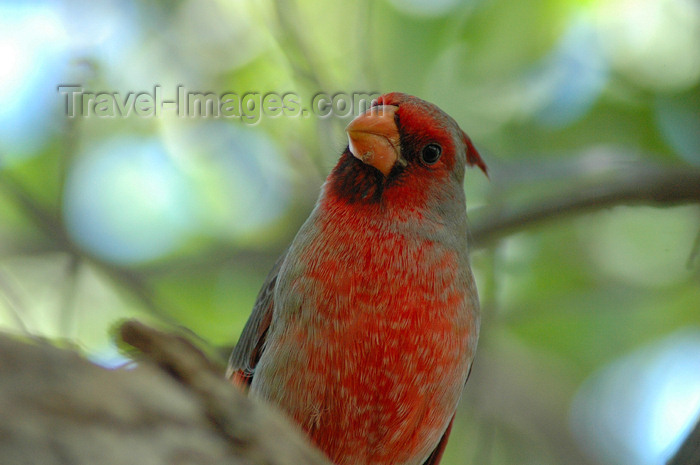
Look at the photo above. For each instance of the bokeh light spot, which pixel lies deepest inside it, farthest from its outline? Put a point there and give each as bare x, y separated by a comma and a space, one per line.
126, 202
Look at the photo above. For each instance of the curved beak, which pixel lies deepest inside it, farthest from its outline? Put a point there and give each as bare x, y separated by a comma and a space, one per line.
374, 138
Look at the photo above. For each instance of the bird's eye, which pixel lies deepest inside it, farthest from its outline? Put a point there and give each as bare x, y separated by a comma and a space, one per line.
431, 154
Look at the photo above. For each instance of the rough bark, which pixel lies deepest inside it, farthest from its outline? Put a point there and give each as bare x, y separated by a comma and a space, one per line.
174, 408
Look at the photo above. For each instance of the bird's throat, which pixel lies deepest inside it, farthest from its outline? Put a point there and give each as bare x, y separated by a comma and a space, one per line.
353, 182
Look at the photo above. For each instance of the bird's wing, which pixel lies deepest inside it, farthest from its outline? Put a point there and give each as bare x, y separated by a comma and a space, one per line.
436, 456
245, 355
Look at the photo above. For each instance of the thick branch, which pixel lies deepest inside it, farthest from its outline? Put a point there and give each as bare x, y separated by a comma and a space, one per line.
58, 409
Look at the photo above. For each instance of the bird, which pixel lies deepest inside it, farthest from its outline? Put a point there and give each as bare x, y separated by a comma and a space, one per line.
365, 329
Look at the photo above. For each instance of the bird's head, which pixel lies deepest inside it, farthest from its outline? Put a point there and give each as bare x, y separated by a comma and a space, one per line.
403, 149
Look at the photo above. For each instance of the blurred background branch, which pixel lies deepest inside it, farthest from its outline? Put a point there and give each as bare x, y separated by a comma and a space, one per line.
636, 185
689, 451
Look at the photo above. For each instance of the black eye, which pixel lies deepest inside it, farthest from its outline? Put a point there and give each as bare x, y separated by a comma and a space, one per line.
431, 153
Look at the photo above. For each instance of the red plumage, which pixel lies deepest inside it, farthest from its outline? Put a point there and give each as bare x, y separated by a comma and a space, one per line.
365, 331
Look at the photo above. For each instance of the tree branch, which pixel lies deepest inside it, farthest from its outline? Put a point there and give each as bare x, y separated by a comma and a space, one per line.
56, 408
645, 185
689, 452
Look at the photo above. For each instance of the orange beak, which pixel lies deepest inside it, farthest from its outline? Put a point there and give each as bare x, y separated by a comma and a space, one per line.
374, 138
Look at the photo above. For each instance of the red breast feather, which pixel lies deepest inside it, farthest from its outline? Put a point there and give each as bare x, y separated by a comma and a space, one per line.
376, 315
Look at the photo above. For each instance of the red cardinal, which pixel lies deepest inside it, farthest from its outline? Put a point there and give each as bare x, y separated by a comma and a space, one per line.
365, 330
